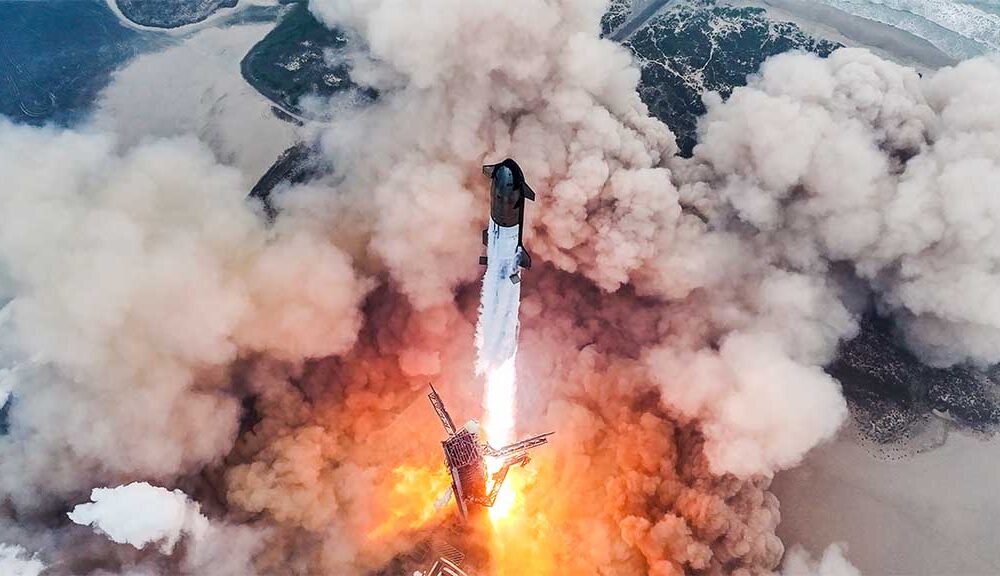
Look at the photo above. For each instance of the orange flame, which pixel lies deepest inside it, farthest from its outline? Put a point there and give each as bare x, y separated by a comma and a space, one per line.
522, 531
412, 502
508, 495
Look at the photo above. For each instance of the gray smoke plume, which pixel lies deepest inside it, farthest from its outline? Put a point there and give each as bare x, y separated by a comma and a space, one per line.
195, 89
15, 562
138, 280
856, 160
674, 331
549, 92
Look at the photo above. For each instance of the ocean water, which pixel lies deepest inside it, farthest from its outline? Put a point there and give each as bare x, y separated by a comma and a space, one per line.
56, 56
960, 28
991, 6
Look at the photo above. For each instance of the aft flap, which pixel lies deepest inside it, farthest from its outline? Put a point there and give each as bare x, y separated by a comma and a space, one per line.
528, 192
524, 259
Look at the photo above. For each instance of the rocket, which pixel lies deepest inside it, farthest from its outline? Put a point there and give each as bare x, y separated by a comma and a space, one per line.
504, 238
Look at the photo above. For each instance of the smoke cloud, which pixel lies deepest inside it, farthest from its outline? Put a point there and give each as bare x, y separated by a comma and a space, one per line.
611, 211
167, 515
14, 561
139, 279
832, 563
878, 168
674, 329
194, 88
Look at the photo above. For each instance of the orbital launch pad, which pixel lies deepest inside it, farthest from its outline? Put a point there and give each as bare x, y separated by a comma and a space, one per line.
466, 458
455, 547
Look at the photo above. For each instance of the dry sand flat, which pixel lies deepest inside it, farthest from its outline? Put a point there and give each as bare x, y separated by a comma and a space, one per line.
934, 513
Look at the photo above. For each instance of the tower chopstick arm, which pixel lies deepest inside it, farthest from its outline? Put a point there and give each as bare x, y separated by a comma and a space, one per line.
522, 446
446, 421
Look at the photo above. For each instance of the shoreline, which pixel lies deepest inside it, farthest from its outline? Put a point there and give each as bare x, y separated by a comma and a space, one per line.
176, 30
832, 24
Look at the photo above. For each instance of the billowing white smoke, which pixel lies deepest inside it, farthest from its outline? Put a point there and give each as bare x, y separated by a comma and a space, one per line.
139, 514
832, 563
485, 83
857, 160
760, 409
138, 279
849, 161
15, 561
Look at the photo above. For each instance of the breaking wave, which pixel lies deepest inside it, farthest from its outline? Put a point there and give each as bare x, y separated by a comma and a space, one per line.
961, 30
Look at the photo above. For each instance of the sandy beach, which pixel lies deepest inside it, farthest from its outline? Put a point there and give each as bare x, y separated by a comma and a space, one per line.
830, 23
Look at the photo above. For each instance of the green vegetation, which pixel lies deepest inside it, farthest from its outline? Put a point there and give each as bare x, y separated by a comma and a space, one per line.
618, 12
301, 57
696, 47
171, 13
892, 394
300, 163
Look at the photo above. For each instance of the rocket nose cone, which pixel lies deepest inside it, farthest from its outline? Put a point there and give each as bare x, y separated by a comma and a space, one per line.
503, 176
503, 184
506, 197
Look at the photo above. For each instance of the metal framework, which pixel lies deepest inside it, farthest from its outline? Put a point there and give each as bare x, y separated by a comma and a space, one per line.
444, 567
465, 455
442, 413
518, 448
